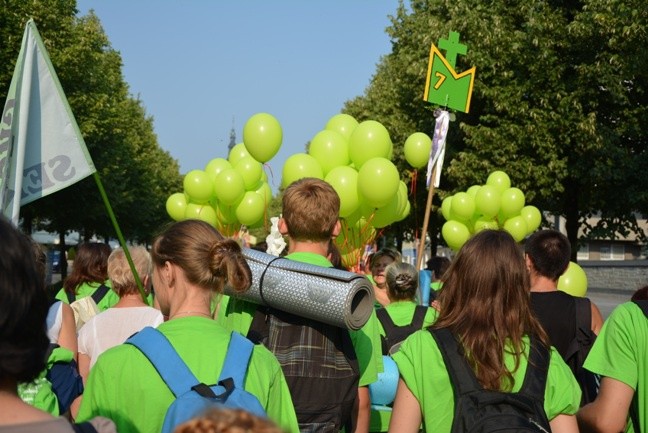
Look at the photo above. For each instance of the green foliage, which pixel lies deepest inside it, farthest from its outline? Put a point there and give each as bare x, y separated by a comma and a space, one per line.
137, 174
559, 101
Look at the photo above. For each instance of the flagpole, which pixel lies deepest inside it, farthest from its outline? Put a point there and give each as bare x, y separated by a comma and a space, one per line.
122, 241
426, 220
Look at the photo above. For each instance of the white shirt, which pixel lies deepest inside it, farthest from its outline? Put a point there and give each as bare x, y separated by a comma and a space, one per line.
113, 327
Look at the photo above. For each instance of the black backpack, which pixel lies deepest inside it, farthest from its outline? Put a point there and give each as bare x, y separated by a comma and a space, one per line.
395, 335
578, 350
478, 410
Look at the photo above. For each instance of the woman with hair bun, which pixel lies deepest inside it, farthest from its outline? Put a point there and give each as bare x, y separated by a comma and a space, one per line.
192, 262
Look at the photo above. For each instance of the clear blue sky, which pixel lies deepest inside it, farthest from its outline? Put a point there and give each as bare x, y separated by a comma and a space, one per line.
199, 65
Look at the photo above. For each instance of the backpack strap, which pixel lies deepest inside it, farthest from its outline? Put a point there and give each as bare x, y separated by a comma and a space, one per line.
99, 294
583, 314
461, 375
159, 351
535, 377
70, 296
390, 328
419, 317
237, 359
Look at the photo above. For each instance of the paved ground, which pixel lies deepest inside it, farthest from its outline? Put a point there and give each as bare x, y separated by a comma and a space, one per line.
606, 300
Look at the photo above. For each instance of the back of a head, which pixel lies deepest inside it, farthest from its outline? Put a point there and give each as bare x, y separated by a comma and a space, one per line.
550, 252
23, 308
120, 273
207, 258
226, 420
402, 281
90, 265
439, 265
310, 209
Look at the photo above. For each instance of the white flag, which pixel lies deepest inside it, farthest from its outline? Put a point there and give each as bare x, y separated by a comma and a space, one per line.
41, 148
437, 152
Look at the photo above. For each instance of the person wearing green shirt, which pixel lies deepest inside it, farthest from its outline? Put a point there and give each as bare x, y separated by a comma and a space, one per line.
620, 356
484, 304
89, 271
191, 262
310, 221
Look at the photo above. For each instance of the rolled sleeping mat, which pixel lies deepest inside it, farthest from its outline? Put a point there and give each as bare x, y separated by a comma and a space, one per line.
328, 295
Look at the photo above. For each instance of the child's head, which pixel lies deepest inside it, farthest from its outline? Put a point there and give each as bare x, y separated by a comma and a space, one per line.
549, 252
310, 210
120, 273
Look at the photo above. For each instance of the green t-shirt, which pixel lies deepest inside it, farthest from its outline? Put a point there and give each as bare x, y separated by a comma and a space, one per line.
87, 289
401, 313
621, 353
421, 366
125, 387
238, 316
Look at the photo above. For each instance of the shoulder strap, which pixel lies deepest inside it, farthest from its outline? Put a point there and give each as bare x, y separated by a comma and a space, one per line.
461, 375
535, 377
386, 321
237, 359
419, 316
583, 314
70, 296
159, 351
99, 294
84, 427
643, 304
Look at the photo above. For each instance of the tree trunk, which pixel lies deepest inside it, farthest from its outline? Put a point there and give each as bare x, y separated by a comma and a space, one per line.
572, 223
63, 255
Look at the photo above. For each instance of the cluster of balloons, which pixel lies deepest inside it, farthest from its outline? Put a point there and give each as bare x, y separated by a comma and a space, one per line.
355, 159
232, 192
490, 206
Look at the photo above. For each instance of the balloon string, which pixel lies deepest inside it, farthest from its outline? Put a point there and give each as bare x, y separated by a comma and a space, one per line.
413, 184
266, 165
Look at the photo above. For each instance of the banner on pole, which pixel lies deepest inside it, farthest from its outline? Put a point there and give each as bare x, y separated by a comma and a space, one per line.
437, 152
41, 147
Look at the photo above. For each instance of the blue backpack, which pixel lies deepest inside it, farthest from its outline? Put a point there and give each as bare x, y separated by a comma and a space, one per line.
193, 397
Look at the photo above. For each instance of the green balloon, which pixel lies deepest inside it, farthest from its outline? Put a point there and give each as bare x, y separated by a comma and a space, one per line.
262, 135
298, 166
378, 181
330, 149
230, 186
342, 123
238, 152
215, 166
225, 214
198, 186
483, 223
344, 181
250, 170
250, 209
446, 206
517, 227
370, 139
487, 201
201, 212
455, 234
499, 180
263, 188
573, 281
405, 212
387, 214
463, 206
512, 202
176, 205
417, 149
532, 216
472, 191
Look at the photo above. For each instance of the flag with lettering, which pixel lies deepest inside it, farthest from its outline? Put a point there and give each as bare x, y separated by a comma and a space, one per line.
41, 148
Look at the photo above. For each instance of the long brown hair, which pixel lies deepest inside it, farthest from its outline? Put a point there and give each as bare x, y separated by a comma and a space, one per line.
90, 266
485, 303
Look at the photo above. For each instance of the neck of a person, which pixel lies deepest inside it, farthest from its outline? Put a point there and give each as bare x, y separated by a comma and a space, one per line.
315, 247
543, 284
130, 300
190, 301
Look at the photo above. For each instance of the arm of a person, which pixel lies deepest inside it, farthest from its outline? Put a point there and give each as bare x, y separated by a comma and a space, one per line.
363, 414
406, 414
84, 366
564, 423
609, 412
597, 318
67, 337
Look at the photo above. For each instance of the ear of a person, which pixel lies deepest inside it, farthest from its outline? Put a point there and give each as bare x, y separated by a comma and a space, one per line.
282, 226
336, 229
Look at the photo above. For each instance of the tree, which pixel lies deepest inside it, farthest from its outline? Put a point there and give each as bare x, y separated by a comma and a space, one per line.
559, 97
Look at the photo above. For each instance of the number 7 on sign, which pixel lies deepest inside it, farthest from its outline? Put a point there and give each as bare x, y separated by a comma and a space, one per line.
441, 79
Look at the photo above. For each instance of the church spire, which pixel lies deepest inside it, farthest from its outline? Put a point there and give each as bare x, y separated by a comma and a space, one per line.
232, 141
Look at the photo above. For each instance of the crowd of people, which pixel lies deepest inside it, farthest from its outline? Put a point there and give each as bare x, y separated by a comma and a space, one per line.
497, 325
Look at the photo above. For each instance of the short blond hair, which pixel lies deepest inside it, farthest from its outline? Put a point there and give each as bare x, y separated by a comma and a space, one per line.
224, 420
119, 271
